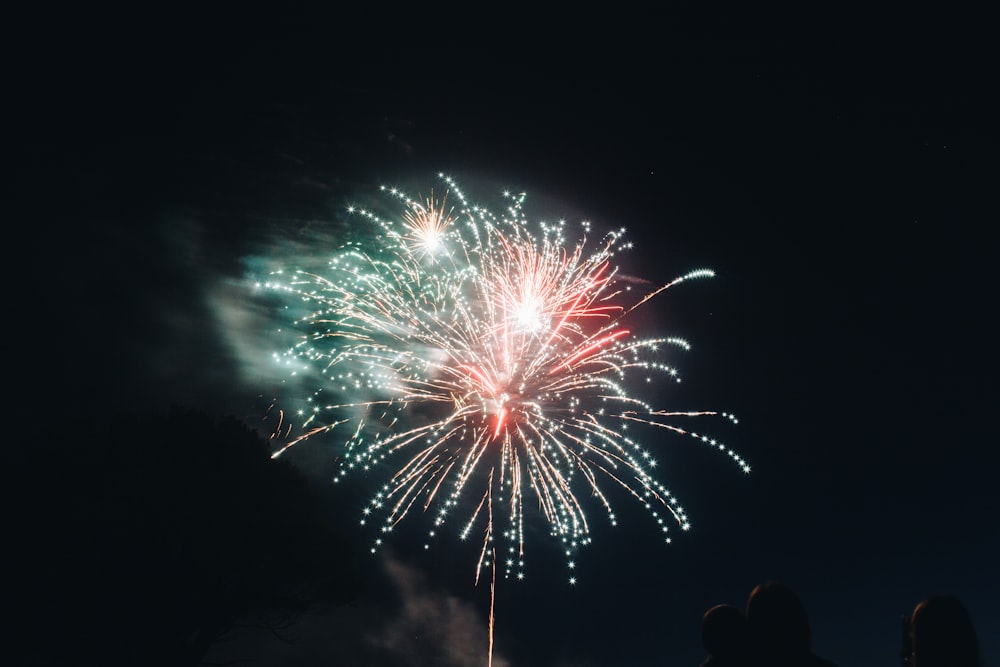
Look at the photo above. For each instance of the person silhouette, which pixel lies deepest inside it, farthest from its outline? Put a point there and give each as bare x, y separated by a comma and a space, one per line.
779, 628
942, 634
724, 636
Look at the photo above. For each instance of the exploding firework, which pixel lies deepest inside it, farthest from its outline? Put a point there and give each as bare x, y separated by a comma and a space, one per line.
487, 362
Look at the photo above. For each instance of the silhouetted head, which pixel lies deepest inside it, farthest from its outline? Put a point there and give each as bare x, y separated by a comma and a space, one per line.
943, 634
724, 631
777, 620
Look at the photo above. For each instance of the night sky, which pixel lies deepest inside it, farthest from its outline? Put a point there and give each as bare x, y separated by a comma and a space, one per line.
838, 189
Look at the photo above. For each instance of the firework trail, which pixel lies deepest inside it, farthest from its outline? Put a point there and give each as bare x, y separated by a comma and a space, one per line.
483, 357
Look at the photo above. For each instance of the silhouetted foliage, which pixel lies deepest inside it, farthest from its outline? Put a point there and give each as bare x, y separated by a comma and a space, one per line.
141, 540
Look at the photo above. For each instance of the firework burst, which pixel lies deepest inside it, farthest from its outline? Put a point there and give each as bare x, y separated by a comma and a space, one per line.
487, 361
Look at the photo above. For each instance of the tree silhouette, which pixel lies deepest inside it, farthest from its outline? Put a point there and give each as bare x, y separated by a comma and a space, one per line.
142, 540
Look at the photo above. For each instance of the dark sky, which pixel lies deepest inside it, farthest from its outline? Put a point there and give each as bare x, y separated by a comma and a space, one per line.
838, 189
